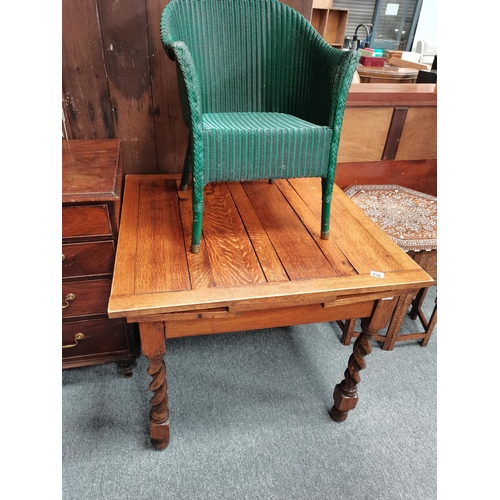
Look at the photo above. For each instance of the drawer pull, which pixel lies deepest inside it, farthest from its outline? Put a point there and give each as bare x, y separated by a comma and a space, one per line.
78, 336
69, 298
64, 256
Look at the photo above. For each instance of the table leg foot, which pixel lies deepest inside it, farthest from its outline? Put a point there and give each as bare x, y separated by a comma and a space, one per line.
160, 435
343, 401
126, 368
159, 422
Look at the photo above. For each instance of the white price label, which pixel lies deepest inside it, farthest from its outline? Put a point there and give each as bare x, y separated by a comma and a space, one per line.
377, 274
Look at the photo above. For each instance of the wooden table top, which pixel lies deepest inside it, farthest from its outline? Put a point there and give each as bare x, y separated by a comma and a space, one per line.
260, 249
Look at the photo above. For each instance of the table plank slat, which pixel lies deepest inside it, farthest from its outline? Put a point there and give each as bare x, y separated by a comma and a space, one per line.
199, 264
298, 252
312, 222
160, 240
124, 272
268, 258
231, 254
348, 233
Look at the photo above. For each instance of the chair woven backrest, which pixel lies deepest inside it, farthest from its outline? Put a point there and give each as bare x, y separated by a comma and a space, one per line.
250, 55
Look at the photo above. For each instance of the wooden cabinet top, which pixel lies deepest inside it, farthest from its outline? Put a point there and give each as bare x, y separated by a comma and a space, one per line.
392, 94
92, 170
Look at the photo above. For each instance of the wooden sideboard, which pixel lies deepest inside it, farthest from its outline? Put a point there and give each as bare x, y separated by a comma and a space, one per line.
389, 136
92, 180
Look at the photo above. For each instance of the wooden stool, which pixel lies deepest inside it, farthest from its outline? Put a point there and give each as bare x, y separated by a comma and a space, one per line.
409, 218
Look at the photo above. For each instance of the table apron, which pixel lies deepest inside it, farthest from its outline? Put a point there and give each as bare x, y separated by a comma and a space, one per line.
223, 321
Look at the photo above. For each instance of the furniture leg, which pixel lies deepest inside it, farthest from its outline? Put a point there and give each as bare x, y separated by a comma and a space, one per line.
325, 209
198, 203
345, 395
153, 347
197, 226
347, 327
402, 305
126, 368
417, 303
186, 170
429, 326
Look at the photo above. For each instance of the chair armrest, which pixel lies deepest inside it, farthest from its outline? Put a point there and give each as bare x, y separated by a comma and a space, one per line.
326, 78
189, 83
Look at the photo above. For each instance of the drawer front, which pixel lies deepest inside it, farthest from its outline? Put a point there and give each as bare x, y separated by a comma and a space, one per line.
100, 336
86, 220
89, 298
88, 259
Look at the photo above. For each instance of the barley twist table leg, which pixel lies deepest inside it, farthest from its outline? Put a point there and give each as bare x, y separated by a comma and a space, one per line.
159, 422
153, 347
345, 396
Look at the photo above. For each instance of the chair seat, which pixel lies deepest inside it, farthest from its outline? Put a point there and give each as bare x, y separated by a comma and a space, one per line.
252, 145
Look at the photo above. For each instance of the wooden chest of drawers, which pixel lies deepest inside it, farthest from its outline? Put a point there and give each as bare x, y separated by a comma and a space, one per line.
92, 181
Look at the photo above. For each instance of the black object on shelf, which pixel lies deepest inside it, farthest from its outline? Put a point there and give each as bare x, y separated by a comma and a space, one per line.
428, 76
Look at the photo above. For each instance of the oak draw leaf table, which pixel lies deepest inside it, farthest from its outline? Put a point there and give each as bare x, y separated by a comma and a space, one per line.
262, 264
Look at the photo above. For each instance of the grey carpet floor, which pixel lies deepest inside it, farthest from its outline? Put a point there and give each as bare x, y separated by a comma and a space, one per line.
249, 420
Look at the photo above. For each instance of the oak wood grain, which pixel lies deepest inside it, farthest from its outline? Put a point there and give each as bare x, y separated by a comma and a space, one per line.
357, 241
314, 290
266, 253
230, 252
160, 242
124, 270
347, 233
330, 249
299, 255
199, 264
265, 318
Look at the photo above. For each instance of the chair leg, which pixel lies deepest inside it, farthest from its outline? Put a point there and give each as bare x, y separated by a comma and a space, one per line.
196, 236
198, 204
325, 210
186, 169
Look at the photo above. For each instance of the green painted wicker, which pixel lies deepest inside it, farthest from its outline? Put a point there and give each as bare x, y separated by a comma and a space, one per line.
263, 95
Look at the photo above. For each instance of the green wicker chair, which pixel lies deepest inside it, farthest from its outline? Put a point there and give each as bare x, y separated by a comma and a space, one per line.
263, 95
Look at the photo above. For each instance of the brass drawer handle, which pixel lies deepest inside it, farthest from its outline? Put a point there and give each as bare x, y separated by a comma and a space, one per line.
69, 298
78, 336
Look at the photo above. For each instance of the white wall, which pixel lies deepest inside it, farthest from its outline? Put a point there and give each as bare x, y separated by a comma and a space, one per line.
427, 24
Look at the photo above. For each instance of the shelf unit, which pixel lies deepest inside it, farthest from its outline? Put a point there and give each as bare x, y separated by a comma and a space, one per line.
329, 22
